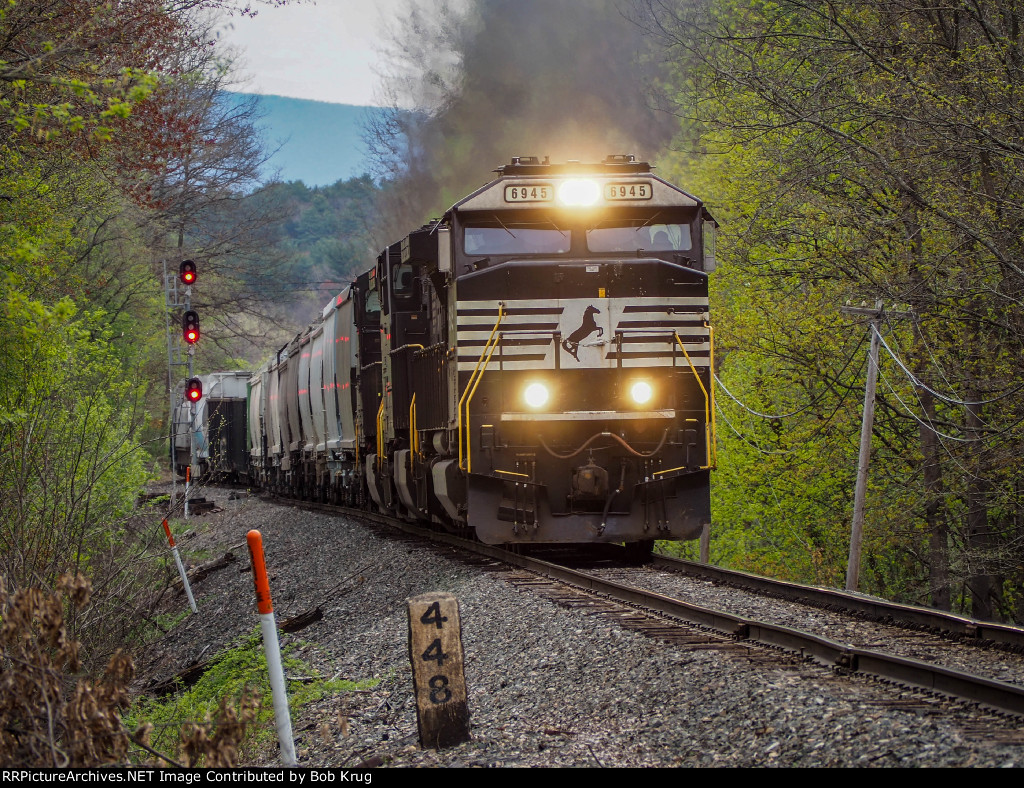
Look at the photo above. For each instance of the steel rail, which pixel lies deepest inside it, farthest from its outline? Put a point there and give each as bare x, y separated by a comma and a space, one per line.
908, 672
871, 608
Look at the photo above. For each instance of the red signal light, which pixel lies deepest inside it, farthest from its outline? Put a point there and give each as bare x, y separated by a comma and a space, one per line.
187, 271
190, 327
194, 390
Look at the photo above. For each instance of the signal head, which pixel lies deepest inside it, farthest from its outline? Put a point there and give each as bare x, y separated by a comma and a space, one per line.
190, 327
193, 390
187, 272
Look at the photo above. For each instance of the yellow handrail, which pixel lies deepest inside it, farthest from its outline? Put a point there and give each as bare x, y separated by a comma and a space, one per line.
711, 383
469, 459
413, 437
467, 395
413, 441
380, 433
707, 415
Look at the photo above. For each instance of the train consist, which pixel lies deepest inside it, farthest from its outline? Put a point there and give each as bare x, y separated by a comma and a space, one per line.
532, 367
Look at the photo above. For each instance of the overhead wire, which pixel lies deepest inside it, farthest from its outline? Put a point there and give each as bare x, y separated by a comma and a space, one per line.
810, 404
938, 367
753, 412
746, 440
941, 436
814, 434
918, 382
916, 418
818, 431
931, 354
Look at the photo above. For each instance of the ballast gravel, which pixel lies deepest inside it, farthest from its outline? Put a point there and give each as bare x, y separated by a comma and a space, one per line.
548, 685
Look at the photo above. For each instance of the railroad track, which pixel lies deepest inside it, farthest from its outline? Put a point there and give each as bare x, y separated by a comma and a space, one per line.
983, 633
698, 626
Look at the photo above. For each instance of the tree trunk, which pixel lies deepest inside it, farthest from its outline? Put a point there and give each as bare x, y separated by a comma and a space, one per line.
934, 510
982, 584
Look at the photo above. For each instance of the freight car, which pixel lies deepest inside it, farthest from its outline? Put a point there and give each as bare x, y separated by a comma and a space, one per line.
532, 367
218, 447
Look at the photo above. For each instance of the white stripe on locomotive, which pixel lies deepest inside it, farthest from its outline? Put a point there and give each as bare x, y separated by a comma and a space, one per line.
586, 331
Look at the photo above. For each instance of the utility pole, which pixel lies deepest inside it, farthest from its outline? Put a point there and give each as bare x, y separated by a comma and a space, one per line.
867, 424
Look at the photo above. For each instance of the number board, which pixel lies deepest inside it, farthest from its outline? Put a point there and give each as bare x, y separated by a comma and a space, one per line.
438, 674
628, 191
530, 192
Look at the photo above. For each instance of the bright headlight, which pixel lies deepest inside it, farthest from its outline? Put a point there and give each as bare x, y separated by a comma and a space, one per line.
578, 192
536, 395
641, 392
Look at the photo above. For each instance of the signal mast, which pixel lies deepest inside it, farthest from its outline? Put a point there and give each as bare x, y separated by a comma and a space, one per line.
194, 386
190, 333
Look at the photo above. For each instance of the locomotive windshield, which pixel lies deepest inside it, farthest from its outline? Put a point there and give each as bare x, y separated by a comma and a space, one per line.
632, 235
654, 234
495, 237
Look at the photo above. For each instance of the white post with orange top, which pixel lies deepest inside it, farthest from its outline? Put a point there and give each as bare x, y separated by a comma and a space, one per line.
181, 567
271, 647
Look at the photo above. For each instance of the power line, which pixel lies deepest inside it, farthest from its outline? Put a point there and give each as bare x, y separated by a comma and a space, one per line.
809, 405
927, 425
918, 382
747, 440
818, 431
940, 435
935, 363
753, 412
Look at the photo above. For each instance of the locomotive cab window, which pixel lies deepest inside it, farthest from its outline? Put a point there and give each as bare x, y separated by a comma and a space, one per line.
637, 234
367, 298
404, 287
494, 237
371, 304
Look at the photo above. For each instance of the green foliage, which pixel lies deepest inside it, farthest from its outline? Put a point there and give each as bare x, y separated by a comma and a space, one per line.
324, 232
230, 675
76, 69
70, 466
70, 470
861, 152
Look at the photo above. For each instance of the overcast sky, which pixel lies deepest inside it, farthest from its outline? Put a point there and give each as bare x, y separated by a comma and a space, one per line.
322, 52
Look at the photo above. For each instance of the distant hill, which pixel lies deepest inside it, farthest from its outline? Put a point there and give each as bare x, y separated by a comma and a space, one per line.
320, 143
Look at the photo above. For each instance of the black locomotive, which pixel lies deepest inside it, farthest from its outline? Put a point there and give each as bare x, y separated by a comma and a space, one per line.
532, 367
